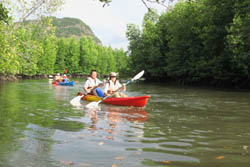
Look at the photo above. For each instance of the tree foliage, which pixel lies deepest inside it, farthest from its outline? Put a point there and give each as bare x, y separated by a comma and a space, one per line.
3, 13
196, 42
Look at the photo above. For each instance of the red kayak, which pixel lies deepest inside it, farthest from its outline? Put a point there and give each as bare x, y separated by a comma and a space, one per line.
139, 101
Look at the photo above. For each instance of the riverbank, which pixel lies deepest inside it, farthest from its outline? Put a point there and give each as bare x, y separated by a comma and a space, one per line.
204, 84
12, 78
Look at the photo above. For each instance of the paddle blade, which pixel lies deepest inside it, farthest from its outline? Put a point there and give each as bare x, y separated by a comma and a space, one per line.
76, 101
92, 105
139, 75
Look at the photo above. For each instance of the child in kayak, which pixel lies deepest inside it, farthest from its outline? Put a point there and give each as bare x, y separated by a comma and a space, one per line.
92, 84
113, 85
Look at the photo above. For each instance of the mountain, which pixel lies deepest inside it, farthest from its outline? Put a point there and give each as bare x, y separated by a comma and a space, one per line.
67, 27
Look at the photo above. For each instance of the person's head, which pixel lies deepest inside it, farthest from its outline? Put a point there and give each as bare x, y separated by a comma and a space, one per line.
112, 76
58, 74
93, 74
64, 76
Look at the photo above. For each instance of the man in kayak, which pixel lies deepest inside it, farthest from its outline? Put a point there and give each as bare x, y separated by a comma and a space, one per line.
58, 78
92, 84
113, 85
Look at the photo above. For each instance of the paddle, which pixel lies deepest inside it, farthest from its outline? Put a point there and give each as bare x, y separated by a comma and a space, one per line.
95, 104
76, 100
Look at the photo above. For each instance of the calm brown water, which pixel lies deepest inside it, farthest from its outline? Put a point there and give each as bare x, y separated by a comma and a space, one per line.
180, 127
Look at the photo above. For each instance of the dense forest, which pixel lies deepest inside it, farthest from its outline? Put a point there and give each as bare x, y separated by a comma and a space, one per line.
198, 42
31, 48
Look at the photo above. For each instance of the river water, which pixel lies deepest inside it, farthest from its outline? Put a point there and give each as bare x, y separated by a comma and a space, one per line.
179, 127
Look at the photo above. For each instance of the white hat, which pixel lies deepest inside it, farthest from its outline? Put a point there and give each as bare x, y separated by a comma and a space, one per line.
112, 74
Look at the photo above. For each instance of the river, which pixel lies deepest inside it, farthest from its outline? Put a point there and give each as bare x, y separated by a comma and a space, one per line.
179, 127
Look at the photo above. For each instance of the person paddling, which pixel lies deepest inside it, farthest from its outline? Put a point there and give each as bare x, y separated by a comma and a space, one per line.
113, 85
65, 79
58, 78
92, 84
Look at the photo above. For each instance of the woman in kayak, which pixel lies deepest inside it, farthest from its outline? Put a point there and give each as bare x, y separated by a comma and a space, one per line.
92, 84
65, 78
113, 85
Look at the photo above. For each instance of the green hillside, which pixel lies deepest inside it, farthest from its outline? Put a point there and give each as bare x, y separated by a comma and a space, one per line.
67, 27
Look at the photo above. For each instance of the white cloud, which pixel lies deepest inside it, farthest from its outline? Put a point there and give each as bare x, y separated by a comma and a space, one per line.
108, 23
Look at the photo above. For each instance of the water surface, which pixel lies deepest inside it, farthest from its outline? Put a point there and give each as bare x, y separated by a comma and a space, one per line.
180, 126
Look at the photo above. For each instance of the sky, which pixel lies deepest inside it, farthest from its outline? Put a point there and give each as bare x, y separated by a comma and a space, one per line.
107, 23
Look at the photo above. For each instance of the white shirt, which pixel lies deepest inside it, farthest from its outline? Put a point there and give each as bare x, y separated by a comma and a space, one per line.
112, 86
91, 83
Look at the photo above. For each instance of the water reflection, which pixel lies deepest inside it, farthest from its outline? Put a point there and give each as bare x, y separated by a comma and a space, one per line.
113, 116
61, 92
94, 119
132, 114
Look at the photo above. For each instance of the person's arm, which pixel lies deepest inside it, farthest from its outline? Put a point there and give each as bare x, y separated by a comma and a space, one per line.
106, 89
124, 87
100, 83
120, 86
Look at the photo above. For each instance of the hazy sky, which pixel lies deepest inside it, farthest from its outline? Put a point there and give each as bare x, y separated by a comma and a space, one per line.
108, 23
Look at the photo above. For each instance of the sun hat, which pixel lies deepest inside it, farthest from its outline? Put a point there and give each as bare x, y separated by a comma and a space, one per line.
112, 74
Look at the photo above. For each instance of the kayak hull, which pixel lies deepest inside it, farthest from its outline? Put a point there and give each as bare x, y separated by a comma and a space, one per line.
139, 101
64, 83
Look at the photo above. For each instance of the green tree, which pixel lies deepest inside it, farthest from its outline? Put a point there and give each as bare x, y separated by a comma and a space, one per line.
135, 48
3, 13
73, 56
61, 54
28, 51
122, 62
238, 43
111, 60
83, 55
9, 63
90, 56
102, 60
46, 61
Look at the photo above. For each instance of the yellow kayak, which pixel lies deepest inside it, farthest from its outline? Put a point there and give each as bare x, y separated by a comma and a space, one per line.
91, 98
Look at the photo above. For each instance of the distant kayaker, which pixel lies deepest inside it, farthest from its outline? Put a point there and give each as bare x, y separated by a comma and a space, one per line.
65, 79
65, 71
113, 85
58, 78
92, 84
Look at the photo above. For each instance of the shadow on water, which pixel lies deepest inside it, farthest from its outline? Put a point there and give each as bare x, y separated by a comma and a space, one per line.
180, 126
